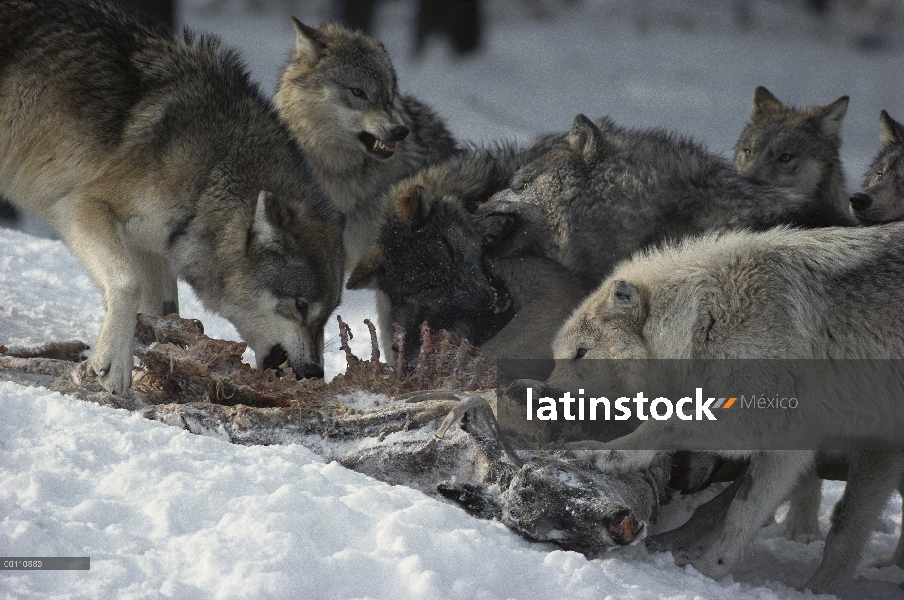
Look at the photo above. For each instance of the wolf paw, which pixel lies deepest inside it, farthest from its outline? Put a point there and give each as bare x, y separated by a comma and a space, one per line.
801, 537
716, 567
114, 374
892, 561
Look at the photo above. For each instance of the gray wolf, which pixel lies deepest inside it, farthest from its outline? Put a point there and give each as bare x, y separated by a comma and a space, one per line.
795, 148
829, 293
606, 191
429, 261
881, 199
340, 98
156, 157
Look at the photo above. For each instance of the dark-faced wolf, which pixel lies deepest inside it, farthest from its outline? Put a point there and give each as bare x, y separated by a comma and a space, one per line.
156, 157
795, 148
429, 260
881, 199
339, 96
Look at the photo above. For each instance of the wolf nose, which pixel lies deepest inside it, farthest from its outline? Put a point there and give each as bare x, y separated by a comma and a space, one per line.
861, 201
398, 133
623, 527
312, 371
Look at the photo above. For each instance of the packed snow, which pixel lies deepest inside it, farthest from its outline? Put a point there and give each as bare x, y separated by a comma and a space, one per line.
166, 514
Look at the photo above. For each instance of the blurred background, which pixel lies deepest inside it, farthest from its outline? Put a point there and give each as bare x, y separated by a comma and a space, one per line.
517, 68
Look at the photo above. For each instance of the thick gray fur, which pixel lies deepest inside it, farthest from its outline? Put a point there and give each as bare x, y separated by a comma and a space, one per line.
156, 157
795, 148
791, 294
338, 94
607, 191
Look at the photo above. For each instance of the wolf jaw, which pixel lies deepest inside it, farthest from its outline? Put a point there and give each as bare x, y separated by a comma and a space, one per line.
278, 360
376, 147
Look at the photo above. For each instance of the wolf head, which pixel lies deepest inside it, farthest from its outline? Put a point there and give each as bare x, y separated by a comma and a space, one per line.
882, 197
608, 325
276, 273
561, 499
575, 506
540, 190
340, 92
428, 260
789, 147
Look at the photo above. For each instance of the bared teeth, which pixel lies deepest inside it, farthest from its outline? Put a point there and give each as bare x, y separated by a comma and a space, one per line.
284, 369
381, 145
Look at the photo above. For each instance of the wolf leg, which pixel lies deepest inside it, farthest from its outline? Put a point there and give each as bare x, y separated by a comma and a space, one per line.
769, 478
159, 289
706, 520
802, 521
897, 557
871, 478
93, 233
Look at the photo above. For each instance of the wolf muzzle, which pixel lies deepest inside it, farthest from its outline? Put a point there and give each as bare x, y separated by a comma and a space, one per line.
861, 201
278, 360
384, 148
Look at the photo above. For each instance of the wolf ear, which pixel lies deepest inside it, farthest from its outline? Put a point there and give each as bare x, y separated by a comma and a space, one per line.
307, 43
624, 295
625, 301
262, 229
890, 131
764, 103
413, 206
366, 270
829, 117
585, 137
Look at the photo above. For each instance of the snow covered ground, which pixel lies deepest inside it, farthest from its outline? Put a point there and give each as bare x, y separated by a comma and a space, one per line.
163, 513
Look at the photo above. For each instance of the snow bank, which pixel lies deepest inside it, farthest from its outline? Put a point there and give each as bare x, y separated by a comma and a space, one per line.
164, 513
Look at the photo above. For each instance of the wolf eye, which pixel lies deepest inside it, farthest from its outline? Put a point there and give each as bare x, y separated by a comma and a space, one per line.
358, 92
580, 353
746, 152
301, 305
880, 175
517, 183
785, 157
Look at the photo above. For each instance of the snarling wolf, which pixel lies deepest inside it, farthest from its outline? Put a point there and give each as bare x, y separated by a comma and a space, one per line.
881, 199
339, 96
156, 157
429, 260
606, 191
825, 294
795, 148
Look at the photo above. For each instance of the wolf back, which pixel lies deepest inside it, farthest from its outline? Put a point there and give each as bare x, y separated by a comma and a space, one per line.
608, 191
792, 294
156, 157
339, 95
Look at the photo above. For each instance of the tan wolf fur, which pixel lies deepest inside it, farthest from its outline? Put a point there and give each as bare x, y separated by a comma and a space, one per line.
156, 157
823, 293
